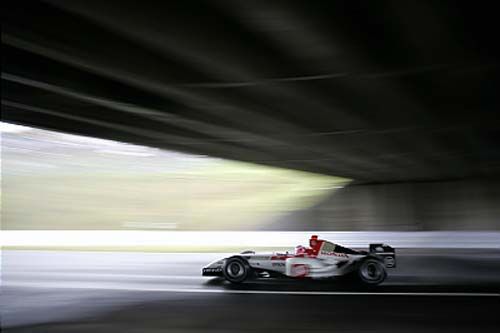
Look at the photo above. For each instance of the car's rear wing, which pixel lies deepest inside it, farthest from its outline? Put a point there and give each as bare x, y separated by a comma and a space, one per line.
386, 252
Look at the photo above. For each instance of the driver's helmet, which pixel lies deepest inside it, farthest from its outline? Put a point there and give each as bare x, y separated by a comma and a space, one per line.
313, 241
299, 249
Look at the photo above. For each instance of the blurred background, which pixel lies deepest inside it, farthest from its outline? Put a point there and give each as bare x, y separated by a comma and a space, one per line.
56, 181
141, 141
54, 184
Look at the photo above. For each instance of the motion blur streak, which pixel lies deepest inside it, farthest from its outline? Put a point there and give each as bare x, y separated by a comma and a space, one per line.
230, 240
57, 285
143, 141
94, 184
143, 292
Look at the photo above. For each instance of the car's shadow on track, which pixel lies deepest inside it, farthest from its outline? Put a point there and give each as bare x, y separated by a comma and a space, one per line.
345, 285
287, 284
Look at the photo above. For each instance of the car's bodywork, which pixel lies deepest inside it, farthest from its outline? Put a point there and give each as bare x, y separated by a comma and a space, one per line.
330, 260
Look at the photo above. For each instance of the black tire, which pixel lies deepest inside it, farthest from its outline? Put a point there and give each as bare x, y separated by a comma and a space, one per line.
372, 272
236, 270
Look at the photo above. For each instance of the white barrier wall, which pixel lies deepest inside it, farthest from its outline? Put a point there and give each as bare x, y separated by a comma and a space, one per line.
285, 239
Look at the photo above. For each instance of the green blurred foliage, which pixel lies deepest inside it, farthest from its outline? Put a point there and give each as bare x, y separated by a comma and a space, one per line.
57, 181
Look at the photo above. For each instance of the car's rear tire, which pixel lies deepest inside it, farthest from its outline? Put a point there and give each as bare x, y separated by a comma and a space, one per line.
236, 270
372, 272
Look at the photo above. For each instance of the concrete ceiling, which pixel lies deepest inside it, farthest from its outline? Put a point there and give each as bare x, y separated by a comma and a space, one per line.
377, 91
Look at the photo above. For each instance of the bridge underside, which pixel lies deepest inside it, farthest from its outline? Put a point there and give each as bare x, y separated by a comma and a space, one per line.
373, 91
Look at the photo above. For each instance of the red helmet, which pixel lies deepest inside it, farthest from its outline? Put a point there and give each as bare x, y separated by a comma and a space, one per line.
313, 241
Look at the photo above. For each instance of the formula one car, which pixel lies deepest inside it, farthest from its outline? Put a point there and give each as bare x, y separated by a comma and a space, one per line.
322, 260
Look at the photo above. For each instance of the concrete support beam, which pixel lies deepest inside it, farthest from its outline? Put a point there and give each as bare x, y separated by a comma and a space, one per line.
445, 205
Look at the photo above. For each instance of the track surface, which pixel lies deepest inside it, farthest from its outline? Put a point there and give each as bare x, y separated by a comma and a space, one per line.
431, 290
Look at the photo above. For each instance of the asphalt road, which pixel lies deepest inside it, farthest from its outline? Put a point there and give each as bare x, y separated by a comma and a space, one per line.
431, 291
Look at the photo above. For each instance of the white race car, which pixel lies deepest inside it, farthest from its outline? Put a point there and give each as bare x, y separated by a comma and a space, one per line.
323, 259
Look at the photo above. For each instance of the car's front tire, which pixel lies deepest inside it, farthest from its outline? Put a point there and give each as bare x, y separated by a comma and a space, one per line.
236, 270
372, 272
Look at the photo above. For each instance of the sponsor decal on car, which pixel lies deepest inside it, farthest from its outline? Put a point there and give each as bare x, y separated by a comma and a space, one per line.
335, 254
300, 270
260, 258
212, 270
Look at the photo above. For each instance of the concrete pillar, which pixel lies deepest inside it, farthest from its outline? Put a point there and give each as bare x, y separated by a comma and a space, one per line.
446, 205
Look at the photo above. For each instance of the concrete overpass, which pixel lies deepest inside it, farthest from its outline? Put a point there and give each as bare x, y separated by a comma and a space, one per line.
380, 92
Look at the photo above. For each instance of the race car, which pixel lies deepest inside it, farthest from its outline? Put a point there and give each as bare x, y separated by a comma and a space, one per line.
321, 260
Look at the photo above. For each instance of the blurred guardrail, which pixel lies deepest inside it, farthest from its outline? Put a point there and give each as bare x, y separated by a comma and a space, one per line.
220, 239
